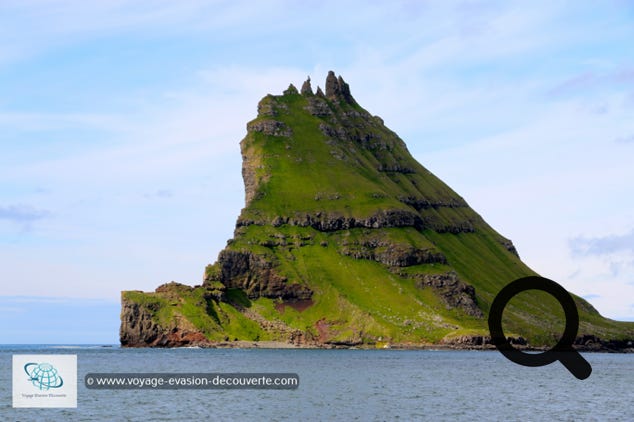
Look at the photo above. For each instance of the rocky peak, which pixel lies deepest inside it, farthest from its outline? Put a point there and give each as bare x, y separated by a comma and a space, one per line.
290, 90
337, 88
332, 85
306, 88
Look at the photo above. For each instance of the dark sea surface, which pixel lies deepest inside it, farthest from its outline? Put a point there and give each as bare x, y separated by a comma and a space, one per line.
362, 385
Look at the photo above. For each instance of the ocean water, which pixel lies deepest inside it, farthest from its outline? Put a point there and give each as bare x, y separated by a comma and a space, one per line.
357, 385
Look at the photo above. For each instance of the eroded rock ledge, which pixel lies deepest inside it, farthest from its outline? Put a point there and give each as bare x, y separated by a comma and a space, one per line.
390, 254
270, 127
455, 292
330, 222
257, 276
139, 328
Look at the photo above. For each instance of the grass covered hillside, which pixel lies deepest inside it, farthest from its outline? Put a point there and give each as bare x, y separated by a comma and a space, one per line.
345, 239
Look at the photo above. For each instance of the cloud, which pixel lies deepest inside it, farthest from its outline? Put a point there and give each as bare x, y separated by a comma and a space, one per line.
619, 266
614, 252
603, 245
599, 77
574, 84
625, 139
23, 214
160, 193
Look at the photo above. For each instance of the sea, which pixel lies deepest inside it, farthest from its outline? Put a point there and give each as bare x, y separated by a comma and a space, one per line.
348, 385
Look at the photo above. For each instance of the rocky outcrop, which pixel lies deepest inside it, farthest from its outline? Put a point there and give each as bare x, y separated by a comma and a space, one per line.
583, 343
250, 178
592, 343
509, 246
332, 86
343, 130
268, 107
337, 88
257, 276
426, 203
455, 292
139, 328
326, 129
137, 325
291, 90
281, 331
306, 89
318, 107
330, 222
270, 127
395, 168
480, 342
468, 341
388, 252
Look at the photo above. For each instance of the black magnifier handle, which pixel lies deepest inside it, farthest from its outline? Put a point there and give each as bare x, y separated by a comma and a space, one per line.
575, 363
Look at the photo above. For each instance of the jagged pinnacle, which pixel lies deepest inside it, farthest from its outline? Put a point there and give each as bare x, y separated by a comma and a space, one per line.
337, 88
306, 88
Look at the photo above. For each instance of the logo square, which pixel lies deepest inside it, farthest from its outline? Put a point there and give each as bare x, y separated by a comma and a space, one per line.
44, 380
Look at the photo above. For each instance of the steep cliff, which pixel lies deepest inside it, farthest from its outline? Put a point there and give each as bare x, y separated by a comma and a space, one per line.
345, 239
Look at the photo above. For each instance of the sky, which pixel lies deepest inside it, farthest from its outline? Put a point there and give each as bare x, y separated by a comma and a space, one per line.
120, 123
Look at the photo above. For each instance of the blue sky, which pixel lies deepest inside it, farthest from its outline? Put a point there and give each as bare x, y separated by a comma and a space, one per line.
120, 122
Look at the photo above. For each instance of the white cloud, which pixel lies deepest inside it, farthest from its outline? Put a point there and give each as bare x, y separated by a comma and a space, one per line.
603, 245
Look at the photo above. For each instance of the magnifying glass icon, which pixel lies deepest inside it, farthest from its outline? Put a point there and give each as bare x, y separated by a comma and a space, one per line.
563, 350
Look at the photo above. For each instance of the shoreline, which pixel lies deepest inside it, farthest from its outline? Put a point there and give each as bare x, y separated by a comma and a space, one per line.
272, 345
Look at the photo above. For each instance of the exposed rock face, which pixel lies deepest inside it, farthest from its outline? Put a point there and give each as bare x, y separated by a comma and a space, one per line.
391, 256
282, 331
585, 343
256, 275
318, 107
250, 181
456, 293
375, 247
306, 88
509, 246
139, 328
270, 127
290, 90
332, 85
137, 325
591, 343
270, 108
425, 203
328, 222
337, 88
481, 342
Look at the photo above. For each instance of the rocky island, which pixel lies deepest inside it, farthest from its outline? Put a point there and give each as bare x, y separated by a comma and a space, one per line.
346, 240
